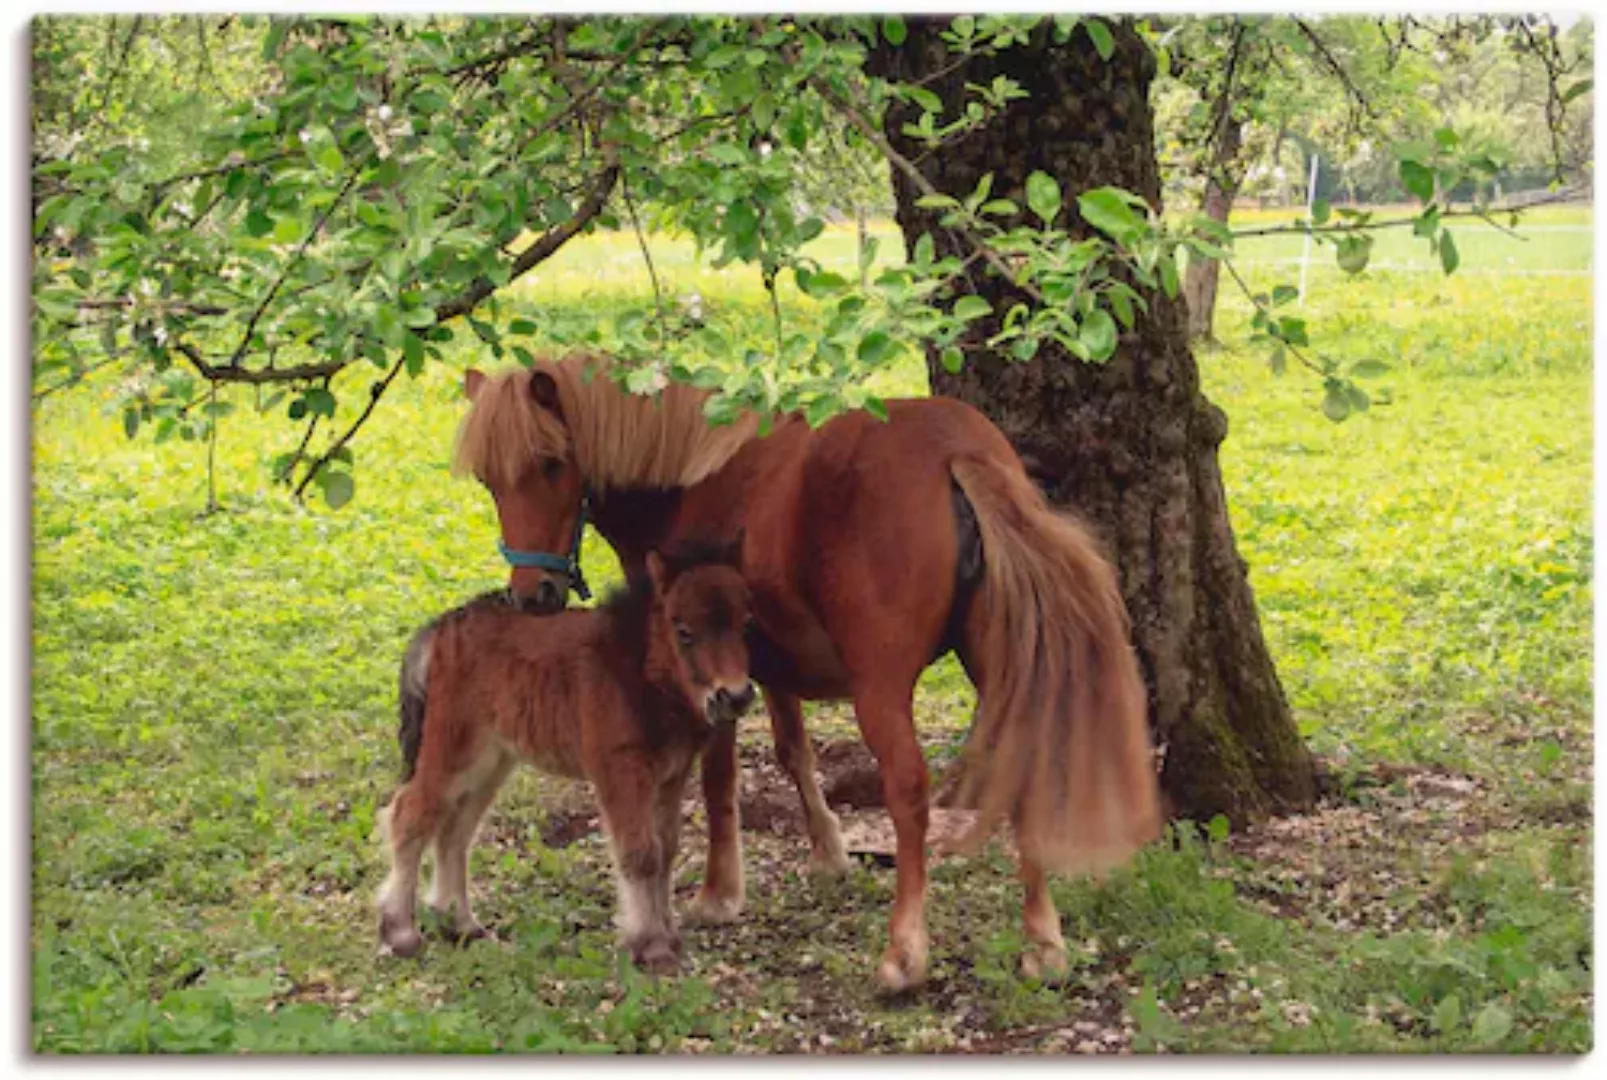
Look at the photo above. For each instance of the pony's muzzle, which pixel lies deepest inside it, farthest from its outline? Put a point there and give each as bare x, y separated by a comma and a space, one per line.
547, 598
726, 706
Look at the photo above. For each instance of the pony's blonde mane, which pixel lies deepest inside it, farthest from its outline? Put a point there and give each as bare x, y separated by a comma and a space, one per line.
619, 439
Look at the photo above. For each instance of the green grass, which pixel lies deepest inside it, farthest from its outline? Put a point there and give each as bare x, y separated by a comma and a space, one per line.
214, 709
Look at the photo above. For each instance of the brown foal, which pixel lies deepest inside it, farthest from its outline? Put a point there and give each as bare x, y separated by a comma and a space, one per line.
624, 696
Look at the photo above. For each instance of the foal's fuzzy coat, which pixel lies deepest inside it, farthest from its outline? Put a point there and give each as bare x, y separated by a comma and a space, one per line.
622, 696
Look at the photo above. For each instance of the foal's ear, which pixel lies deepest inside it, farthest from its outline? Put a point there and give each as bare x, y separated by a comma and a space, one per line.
472, 380
544, 389
657, 572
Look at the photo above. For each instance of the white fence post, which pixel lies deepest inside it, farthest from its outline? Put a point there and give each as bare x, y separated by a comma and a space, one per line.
1305, 256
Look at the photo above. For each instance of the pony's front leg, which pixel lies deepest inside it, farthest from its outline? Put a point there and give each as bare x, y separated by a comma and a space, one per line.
721, 898
797, 757
628, 799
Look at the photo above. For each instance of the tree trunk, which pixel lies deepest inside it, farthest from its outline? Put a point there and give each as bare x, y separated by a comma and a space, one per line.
1221, 185
1130, 445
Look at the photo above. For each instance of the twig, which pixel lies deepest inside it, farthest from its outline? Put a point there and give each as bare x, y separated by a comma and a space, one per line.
903, 164
78, 376
647, 257
1395, 223
1259, 306
295, 257
1338, 69
375, 392
212, 451
234, 373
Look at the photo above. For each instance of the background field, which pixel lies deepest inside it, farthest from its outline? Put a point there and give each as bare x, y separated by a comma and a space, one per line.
214, 710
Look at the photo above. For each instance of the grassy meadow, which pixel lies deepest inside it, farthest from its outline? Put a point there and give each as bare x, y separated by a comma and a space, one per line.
214, 730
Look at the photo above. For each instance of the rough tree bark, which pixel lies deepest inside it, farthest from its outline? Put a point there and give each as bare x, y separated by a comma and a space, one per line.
1131, 445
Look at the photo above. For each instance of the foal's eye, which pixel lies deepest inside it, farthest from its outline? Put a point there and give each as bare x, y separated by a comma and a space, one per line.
683, 634
551, 467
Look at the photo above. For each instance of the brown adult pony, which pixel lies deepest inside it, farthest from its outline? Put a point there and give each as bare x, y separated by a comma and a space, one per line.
870, 548
624, 696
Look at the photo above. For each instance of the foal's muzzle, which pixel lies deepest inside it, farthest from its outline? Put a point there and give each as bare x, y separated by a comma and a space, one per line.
548, 599
726, 706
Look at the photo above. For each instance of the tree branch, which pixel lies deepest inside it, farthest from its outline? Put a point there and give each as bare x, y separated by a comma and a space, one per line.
1338, 69
544, 246
375, 392
234, 373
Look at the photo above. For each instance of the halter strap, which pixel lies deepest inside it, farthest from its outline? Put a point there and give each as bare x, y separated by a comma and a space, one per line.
568, 565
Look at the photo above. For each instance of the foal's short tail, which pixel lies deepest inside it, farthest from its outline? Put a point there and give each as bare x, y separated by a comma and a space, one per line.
414, 678
1060, 744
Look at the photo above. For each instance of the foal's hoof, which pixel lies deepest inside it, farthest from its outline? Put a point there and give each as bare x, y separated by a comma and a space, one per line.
660, 956
711, 910
401, 939
900, 971
1045, 961
463, 938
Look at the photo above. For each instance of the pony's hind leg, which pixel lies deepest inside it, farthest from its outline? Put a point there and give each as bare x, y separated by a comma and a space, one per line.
1045, 954
408, 824
721, 898
797, 758
476, 788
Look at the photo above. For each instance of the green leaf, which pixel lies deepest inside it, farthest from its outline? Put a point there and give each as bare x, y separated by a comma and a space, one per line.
876, 407
928, 101
1279, 360
1001, 207
1169, 280
971, 307
258, 223
1353, 253
1419, 179
338, 489
1282, 294
1043, 196
875, 347
320, 401
1217, 828
1449, 258
1335, 403
1098, 334
1491, 1025
130, 421
1319, 212
1448, 1013
1369, 369
413, 353
937, 201
1446, 138
893, 30
952, 359
1100, 35
1108, 210
329, 158
1581, 87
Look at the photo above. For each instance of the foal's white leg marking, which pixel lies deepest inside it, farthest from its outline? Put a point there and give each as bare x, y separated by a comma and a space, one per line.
472, 793
398, 893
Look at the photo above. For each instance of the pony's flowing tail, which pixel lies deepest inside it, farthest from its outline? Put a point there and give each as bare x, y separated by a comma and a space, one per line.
1060, 742
414, 678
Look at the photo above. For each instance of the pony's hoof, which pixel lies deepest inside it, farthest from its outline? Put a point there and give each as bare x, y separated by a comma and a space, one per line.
401, 939
829, 863
900, 971
660, 956
711, 910
1045, 962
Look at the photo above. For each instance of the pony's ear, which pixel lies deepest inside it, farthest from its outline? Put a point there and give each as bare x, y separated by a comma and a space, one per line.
544, 388
473, 379
657, 572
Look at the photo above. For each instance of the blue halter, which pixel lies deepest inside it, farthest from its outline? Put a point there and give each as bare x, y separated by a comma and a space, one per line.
568, 565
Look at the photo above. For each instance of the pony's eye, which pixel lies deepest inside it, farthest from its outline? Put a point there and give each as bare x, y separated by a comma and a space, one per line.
551, 467
683, 634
